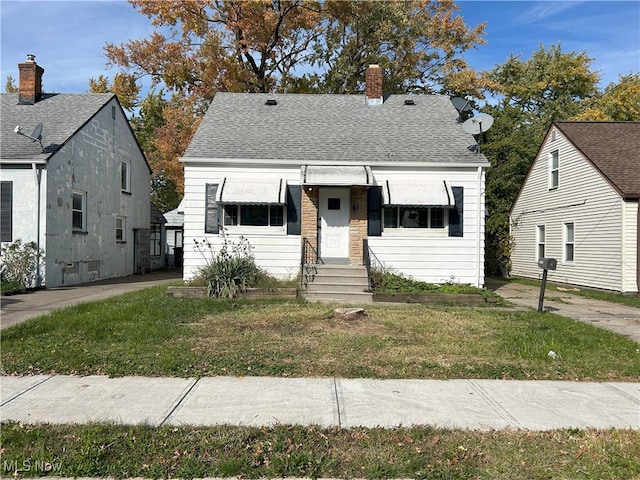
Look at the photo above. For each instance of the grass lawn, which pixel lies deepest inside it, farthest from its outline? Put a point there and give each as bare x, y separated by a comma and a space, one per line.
124, 452
149, 333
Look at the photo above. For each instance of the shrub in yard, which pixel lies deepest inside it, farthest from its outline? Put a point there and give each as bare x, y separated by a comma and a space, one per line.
18, 264
389, 282
229, 271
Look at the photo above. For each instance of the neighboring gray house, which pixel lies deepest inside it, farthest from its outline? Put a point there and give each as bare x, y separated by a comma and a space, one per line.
329, 174
81, 191
579, 205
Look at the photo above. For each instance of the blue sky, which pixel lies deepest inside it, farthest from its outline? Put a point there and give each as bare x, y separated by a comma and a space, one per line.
68, 37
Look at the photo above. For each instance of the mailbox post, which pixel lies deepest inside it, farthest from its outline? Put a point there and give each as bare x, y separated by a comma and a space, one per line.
545, 264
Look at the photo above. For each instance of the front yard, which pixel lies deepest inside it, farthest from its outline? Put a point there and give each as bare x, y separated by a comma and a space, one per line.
148, 333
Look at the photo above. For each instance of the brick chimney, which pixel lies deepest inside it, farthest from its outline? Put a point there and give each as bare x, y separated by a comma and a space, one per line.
373, 88
30, 86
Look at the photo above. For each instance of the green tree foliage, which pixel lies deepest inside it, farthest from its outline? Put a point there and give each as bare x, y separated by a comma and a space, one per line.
530, 95
10, 85
619, 102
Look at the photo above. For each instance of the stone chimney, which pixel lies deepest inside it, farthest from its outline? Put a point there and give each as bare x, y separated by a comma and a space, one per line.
373, 88
30, 86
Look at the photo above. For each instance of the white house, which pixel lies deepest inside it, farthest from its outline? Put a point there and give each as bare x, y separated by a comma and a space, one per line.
579, 205
298, 173
79, 189
175, 230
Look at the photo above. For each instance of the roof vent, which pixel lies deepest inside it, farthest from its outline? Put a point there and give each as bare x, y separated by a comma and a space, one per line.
271, 102
409, 102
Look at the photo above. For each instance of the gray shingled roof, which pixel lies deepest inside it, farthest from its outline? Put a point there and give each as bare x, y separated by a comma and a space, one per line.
61, 115
614, 149
332, 128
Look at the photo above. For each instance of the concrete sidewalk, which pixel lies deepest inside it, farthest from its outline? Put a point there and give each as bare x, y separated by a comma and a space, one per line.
326, 402
611, 316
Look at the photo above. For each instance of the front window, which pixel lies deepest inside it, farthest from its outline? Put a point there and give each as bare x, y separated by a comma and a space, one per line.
120, 229
554, 167
155, 238
568, 242
79, 211
254, 215
541, 241
413, 217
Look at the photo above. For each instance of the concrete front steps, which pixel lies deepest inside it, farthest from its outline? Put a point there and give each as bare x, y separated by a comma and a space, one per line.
344, 284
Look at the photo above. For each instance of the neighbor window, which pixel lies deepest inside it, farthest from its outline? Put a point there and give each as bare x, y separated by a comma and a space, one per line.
120, 229
413, 217
553, 170
79, 211
541, 241
125, 176
6, 211
155, 239
568, 242
254, 215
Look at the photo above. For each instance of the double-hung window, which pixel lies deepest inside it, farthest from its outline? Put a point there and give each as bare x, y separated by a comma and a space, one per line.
155, 239
120, 229
541, 240
569, 251
125, 176
79, 211
554, 170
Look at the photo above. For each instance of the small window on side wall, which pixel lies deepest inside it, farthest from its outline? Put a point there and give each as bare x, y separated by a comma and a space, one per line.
125, 176
554, 170
541, 241
569, 250
79, 211
120, 229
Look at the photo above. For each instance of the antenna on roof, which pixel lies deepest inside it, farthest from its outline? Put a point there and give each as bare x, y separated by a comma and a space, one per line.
36, 135
478, 124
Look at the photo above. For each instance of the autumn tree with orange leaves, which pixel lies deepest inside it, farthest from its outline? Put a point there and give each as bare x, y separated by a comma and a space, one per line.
202, 47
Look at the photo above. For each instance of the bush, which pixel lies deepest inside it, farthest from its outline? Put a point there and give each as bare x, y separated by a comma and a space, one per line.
19, 262
388, 282
230, 271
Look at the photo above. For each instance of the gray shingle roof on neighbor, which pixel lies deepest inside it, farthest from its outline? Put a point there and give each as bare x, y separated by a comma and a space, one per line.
614, 149
61, 115
332, 128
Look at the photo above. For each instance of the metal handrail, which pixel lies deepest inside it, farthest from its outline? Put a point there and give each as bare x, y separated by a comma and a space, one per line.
371, 261
308, 262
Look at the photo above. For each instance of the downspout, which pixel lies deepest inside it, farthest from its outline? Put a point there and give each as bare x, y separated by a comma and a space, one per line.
37, 176
638, 250
478, 229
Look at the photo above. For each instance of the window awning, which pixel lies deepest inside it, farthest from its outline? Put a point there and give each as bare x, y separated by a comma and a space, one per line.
418, 194
254, 192
335, 175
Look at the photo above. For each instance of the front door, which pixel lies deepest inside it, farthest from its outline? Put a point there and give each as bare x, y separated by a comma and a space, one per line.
334, 212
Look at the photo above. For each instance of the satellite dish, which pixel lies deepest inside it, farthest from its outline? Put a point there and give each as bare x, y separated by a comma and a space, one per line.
478, 124
36, 135
461, 104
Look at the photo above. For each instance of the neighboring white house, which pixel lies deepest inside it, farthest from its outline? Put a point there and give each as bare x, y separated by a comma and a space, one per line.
82, 191
323, 173
579, 205
175, 231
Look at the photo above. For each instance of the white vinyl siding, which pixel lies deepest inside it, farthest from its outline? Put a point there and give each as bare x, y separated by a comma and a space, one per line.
630, 246
585, 199
427, 254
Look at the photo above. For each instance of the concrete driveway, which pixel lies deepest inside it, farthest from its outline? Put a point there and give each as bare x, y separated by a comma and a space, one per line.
17, 308
615, 317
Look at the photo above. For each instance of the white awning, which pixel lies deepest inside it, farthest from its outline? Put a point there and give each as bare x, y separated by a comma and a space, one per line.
336, 175
431, 193
254, 192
